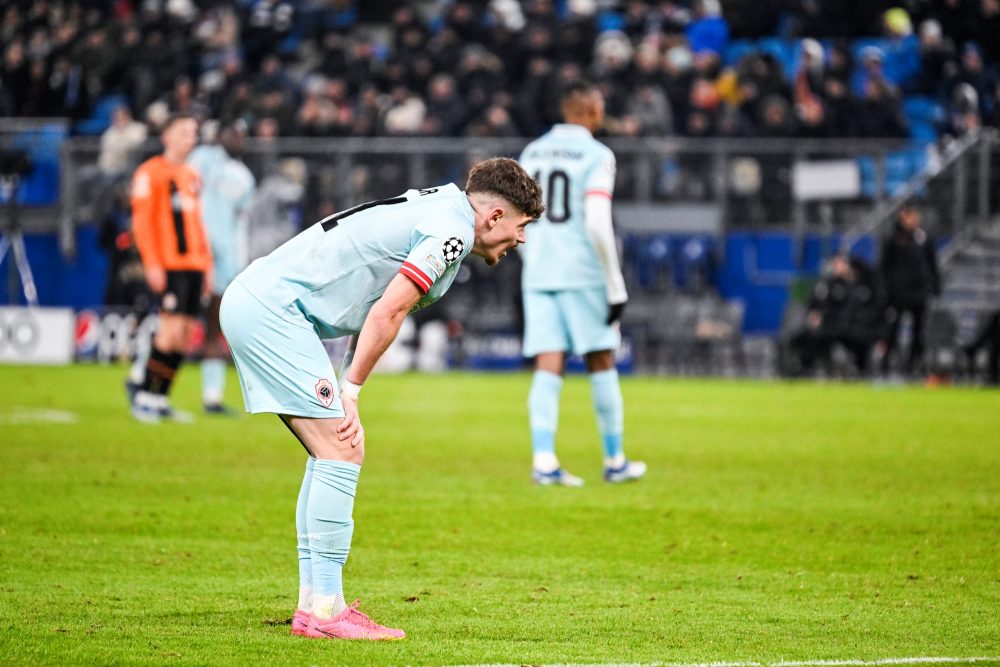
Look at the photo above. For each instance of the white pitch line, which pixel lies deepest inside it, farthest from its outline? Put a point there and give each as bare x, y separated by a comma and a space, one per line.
781, 663
19, 416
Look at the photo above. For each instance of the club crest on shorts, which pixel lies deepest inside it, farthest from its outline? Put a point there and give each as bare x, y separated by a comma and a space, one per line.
452, 249
324, 392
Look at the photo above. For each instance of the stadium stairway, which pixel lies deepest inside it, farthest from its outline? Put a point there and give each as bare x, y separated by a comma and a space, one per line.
970, 270
970, 294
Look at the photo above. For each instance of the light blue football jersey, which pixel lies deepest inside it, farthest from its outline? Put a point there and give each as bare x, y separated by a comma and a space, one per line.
569, 164
334, 271
227, 188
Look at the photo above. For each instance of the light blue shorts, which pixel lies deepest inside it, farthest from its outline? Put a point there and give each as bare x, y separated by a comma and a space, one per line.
282, 364
573, 321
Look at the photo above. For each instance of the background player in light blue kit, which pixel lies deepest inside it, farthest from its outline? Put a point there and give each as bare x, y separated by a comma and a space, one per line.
227, 188
356, 273
574, 292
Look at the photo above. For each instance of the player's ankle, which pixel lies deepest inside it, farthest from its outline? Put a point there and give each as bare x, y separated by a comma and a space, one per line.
328, 606
616, 461
545, 462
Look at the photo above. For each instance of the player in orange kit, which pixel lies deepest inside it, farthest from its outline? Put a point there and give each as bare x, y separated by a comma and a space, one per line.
168, 230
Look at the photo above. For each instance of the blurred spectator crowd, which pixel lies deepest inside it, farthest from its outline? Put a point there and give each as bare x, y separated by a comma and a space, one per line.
815, 68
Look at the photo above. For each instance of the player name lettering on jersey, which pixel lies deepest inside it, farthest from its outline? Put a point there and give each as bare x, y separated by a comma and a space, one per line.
558, 153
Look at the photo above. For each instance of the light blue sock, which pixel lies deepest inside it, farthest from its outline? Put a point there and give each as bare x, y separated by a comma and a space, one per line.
330, 527
607, 396
543, 411
302, 532
213, 380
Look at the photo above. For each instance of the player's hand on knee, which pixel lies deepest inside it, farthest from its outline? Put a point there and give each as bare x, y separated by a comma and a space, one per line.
157, 279
350, 427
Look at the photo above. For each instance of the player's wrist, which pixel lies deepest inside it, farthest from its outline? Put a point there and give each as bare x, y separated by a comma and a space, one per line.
350, 389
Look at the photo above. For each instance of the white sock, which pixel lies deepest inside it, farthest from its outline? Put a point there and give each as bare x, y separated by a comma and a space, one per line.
137, 372
328, 606
616, 461
306, 598
147, 400
545, 462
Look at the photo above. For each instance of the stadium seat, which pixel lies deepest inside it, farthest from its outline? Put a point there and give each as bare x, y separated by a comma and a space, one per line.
736, 50
900, 167
41, 187
100, 117
608, 20
785, 51
924, 115
693, 262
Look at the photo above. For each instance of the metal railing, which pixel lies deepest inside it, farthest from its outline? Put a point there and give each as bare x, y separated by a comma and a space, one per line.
971, 162
737, 183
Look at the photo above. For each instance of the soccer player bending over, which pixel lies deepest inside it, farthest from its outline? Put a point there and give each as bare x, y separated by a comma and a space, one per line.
356, 273
573, 288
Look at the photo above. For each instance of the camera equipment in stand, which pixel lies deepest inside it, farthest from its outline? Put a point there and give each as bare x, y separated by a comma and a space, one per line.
14, 165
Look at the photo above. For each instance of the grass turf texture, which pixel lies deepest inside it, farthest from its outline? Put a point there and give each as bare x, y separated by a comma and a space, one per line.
778, 521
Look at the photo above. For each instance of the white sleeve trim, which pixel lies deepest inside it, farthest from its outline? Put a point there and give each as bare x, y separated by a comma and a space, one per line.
597, 214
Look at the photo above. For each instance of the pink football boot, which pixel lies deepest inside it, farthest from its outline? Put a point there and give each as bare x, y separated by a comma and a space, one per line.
301, 622
352, 624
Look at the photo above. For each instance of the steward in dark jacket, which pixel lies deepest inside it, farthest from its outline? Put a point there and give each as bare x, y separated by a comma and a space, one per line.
910, 275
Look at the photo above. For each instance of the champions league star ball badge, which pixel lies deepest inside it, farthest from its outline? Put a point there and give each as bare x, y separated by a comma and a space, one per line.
324, 392
452, 249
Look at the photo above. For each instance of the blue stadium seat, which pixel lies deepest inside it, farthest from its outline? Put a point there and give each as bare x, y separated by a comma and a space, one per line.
785, 51
608, 20
41, 187
736, 50
693, 260
924, 115
900, 167
100, 117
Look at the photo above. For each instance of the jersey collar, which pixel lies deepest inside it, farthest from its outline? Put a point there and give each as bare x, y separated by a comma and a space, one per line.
570, 130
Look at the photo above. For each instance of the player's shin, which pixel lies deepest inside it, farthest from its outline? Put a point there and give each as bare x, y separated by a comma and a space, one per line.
329, 528
609, 406
302, 532
213, 381
543, 410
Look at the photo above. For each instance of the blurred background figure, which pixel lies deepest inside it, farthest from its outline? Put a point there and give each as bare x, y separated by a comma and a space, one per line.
987, 338
126, 286
275, 214
101, 183
844, 308
909, 272
170, 236
227, 189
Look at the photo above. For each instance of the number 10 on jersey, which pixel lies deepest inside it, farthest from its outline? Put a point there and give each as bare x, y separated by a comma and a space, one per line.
556, 188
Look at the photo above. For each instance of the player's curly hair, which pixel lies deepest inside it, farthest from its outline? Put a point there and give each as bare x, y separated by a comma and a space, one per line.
505, 178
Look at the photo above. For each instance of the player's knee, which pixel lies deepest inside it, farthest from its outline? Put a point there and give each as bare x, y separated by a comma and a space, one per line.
601, 360
215, 348
333, 448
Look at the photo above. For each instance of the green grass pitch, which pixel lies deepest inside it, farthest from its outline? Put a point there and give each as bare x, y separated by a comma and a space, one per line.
777, 522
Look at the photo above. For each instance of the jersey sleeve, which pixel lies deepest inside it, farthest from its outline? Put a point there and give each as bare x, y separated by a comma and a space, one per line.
249, 185
431, 256
601, 180
144, 223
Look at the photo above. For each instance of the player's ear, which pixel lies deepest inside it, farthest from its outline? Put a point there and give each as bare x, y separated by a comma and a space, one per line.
495, 216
